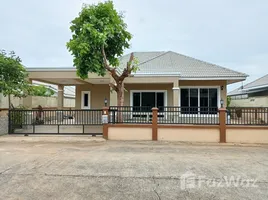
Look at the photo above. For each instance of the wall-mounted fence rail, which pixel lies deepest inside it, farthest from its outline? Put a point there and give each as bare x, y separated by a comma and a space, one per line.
247, 116
130, 114
30, 121
166, 115
188, 115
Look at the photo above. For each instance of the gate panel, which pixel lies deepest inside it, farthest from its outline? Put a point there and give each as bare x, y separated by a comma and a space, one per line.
55, 121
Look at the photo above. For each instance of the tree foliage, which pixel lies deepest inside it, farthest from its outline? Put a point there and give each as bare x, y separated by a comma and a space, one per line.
13, 76
99, 39
41, 90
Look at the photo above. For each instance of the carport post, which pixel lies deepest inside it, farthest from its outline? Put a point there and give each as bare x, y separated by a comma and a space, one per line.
222, 120
105, 111
154, 123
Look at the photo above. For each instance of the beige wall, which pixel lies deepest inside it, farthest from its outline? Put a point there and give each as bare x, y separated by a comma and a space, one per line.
99, 92
189, 134
247, 135
125, 133
250, 102
36, 100
97, 95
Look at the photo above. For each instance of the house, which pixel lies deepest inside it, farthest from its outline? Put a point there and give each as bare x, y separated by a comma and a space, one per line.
163, 79
253, 94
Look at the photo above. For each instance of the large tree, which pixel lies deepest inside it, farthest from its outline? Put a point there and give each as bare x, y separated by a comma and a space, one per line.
99, 39
13, 76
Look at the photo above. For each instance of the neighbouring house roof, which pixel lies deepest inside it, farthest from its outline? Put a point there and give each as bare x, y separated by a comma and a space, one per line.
254, 86
174, 64
69, 91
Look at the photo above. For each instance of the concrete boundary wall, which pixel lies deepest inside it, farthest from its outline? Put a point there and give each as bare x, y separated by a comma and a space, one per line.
186, 133
242, 134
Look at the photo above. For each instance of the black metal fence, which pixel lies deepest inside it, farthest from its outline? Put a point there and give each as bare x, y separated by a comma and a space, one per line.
166, 115
247, 116
188, 115
54, 121
130, 114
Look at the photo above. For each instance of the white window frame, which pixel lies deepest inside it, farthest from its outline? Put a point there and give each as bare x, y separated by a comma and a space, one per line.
133, 91
82, 99
202, 87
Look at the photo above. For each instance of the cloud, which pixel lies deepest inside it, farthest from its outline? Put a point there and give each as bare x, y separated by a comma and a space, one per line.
227, 32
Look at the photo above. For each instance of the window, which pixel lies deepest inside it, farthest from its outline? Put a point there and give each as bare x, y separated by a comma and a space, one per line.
148, 100
199, 100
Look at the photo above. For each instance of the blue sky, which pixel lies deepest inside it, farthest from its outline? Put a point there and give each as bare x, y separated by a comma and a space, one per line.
230, 33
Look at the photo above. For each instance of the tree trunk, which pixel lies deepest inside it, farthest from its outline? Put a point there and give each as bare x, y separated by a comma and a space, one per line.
9, 102
120, 101
120, 94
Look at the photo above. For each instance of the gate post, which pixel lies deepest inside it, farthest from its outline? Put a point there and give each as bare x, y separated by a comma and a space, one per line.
154, 123
222, 120
105, 111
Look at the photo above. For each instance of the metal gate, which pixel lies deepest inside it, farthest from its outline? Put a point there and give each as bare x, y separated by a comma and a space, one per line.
78, 122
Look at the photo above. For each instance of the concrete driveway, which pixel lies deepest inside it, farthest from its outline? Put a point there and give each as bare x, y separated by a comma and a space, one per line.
80, 168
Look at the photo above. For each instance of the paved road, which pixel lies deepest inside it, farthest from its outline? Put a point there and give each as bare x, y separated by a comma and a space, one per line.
130, 170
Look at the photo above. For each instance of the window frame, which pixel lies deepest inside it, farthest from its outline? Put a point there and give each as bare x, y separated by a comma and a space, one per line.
155, 91
202, 87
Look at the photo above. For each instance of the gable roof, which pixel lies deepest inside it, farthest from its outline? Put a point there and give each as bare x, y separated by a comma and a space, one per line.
254, 86
175, 64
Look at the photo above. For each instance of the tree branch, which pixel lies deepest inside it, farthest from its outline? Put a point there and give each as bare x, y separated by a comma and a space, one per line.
106, 65
128, 69
113, 86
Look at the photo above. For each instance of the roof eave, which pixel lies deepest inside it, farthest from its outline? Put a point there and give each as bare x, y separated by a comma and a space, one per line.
240, 78
49, 69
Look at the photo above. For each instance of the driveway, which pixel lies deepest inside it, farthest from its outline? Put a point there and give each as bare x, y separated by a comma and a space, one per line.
82, 168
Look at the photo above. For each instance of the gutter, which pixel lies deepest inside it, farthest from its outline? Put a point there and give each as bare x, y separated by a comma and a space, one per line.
46, 69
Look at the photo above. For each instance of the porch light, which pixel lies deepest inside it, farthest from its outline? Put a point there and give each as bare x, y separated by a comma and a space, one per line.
222, 103
105, 101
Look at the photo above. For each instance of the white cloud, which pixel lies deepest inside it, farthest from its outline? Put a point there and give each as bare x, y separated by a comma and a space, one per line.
232, 33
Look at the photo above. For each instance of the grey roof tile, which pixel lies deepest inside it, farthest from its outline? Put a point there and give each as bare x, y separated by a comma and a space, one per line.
168, 62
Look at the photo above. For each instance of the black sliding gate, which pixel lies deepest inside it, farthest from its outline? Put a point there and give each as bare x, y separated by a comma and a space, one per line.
77, 122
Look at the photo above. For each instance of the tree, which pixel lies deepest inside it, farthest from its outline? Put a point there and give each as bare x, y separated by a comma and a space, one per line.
13, 76
41, 90
99, 39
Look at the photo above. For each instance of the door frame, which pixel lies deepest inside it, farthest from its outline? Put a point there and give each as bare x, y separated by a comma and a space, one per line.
82, 99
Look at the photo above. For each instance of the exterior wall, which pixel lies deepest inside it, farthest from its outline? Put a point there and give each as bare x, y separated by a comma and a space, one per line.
163, 86
250, 102
36, 101
168, 87
129, 133
3, 124
190, 134
97, 95
223, 93
245, 134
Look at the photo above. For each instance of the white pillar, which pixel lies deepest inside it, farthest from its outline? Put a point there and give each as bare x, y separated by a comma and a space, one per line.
60, 96
176, 93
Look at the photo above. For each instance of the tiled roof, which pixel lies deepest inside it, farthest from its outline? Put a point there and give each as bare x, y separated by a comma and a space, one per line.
170, 62
254, 85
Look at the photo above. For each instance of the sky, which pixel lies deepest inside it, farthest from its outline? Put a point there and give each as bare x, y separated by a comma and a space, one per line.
230, 33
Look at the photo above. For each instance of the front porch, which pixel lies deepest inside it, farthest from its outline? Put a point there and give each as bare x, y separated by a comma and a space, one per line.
151, 91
